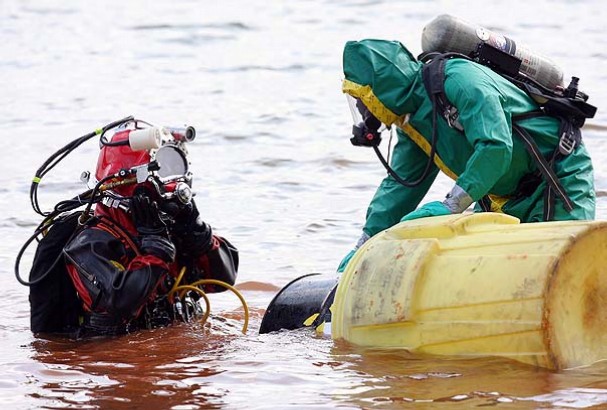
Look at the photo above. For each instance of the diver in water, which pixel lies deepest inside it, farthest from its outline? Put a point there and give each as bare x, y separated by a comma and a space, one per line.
123, 260
501, 150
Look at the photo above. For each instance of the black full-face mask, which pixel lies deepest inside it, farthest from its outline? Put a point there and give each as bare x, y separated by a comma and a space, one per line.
366, 128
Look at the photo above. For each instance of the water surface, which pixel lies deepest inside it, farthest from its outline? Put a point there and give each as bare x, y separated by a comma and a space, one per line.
274, 172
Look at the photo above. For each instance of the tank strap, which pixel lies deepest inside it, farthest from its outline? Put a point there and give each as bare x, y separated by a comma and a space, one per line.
545, 168
433, 75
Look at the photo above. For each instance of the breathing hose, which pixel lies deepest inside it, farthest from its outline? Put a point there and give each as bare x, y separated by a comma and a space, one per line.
58, 156
429, 163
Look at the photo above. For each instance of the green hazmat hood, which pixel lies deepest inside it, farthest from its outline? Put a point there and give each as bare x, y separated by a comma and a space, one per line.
385, 76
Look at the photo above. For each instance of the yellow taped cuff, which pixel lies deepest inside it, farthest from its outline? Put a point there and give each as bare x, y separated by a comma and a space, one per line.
98, 131
36, 180
497, 203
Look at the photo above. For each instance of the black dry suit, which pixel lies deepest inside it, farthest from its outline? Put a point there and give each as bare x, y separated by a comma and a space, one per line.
115, 281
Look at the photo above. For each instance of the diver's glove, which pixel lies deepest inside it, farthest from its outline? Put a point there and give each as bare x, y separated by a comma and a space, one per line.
344, 262
456, 201
192, 235
153, 234
146, 216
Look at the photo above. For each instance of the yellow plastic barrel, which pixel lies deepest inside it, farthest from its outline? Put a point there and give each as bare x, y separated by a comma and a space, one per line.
480, 284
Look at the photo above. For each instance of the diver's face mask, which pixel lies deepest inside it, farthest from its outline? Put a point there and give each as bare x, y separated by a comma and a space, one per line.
167, 172
366, 128
169, 175
168, 165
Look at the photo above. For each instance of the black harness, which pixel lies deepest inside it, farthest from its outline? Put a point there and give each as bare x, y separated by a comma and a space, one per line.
571, 109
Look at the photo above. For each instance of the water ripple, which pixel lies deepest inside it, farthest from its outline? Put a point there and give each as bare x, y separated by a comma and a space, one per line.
246, 68
235, 25
198, 39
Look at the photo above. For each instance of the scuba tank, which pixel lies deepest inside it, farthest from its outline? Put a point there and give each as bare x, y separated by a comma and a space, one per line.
450, 34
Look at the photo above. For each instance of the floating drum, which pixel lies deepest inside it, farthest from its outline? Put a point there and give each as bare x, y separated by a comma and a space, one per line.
480, 285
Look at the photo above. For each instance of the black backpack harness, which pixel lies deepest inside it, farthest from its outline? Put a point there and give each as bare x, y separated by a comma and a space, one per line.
570, 108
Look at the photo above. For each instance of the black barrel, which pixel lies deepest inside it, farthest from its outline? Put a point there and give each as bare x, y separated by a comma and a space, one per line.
297, 301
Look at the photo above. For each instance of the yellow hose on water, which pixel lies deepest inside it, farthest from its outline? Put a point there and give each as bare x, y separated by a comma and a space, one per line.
233, 290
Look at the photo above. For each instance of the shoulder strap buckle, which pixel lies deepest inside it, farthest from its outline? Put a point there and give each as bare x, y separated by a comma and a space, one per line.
570, 138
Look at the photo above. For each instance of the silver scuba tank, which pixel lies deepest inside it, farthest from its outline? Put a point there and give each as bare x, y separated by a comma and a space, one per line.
450, 34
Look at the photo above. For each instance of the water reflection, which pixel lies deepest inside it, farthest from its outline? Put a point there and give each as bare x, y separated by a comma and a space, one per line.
150, 369
214, 366
394, 378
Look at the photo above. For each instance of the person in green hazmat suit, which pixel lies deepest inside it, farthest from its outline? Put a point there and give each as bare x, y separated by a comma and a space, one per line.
488, 162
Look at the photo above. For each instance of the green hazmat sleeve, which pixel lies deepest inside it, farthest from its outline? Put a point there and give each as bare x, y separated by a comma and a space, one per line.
487, 127
392, 200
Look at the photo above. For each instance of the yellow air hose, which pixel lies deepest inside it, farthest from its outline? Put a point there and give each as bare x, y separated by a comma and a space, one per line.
193, 286
181, 273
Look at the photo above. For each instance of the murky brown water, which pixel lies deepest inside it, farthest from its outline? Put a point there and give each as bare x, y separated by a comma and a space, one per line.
274, 172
